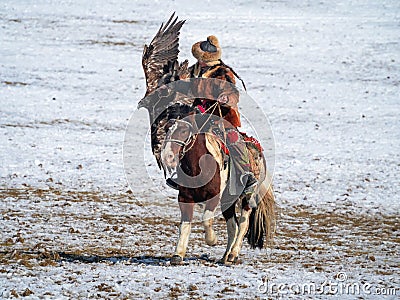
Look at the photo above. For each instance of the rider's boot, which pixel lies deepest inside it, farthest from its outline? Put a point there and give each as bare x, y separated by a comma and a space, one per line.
250, 183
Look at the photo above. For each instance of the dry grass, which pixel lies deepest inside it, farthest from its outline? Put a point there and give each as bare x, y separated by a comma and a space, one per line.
89, 227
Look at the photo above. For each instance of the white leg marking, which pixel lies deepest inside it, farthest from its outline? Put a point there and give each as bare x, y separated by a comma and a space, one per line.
184, 232
210, 236
243, 226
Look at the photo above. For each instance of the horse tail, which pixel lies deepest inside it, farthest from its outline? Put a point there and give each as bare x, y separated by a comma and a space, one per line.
262, 221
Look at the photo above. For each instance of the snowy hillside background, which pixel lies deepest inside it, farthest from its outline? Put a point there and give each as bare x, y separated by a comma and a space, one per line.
327, 74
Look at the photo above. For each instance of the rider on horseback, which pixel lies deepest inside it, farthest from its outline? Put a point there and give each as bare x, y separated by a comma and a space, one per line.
210, 65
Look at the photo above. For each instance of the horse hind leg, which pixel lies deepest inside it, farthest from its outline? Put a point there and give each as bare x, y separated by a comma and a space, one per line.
232, 228
243, 226
185, 228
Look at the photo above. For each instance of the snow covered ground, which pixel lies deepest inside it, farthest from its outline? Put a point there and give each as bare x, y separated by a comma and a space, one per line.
327, 74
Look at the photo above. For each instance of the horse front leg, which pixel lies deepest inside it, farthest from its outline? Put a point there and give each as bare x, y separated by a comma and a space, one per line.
208, 219
243, 226
184, 232
232, 228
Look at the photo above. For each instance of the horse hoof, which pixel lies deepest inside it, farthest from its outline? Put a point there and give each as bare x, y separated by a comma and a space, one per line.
233, 259
224, 261
176, 260
212, 242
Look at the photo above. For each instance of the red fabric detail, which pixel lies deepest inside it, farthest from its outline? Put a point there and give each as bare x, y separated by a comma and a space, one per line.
224, 148
232, 136
253, 140
233, 117
201, 108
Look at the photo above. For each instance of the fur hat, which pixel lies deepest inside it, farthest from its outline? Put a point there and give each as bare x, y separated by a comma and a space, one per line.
207, 51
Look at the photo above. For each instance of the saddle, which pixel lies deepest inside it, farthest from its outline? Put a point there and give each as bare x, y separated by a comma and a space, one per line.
219, 135
253, 146
255, 154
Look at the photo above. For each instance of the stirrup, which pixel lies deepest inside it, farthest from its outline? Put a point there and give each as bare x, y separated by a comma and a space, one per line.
250, 184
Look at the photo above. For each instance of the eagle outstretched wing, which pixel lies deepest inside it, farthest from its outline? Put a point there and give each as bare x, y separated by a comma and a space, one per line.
162, 54
160, 65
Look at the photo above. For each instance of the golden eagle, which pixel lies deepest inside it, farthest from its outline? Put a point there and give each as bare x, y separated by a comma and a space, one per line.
161, 67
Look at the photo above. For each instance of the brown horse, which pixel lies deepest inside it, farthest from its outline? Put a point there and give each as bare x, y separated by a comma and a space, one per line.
203, 176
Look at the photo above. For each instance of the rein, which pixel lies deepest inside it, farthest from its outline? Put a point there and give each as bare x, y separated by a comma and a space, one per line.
214, 106
188, 144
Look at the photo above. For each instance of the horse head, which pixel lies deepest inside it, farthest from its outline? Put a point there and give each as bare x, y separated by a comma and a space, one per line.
179, 135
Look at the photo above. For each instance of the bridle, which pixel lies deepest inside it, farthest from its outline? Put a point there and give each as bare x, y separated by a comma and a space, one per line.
189, 142
174, 127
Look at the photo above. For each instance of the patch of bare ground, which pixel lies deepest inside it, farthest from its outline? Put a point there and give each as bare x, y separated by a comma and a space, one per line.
108, 43
125, 21
14, 83
44, 227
